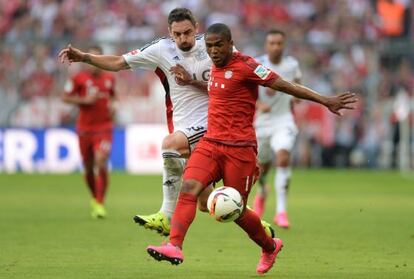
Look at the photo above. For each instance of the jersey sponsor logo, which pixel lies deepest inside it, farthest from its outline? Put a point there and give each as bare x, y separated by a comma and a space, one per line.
228, 74
262, 72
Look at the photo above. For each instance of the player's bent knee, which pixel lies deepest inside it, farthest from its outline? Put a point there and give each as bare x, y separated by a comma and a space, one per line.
177, 142
191, 187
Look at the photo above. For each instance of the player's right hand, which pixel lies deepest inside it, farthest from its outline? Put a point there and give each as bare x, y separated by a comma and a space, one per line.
71, 54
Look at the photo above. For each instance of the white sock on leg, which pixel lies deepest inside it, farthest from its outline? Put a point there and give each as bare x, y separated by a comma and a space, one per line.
282, 178
171, 180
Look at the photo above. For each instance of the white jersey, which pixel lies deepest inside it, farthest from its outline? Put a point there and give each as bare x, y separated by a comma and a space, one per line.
280, 102
186, 105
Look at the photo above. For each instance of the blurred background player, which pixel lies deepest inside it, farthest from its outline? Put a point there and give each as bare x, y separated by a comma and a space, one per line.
275, 126
228, 149
92, 90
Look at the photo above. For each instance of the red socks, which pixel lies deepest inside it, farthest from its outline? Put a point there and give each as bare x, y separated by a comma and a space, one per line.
97, 185
90, 181
251, 224
101, 185
182, 218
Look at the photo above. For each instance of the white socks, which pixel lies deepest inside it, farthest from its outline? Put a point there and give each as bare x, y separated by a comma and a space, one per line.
282, 178
171, 180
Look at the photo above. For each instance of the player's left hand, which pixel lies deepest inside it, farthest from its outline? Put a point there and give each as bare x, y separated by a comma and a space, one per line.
182, 77
341, 101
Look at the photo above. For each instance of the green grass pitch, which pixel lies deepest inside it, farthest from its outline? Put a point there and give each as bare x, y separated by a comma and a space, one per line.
345, 224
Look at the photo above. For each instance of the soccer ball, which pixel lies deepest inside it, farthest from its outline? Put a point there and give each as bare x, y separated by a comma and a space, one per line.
225, 204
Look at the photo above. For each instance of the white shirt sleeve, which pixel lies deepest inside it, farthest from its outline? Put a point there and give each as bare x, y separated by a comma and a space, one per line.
298, 72
148, 57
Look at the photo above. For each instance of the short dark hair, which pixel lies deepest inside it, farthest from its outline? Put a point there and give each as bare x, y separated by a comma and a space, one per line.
181, 14
275, 32
221, 29
96, 47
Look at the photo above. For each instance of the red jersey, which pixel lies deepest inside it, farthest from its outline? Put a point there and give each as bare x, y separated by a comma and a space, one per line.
96, 117
233, 92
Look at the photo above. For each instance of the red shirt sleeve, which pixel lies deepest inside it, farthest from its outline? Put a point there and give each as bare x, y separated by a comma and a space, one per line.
259, 74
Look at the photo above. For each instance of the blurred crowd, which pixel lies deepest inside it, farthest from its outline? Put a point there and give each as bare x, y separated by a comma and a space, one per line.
360, 45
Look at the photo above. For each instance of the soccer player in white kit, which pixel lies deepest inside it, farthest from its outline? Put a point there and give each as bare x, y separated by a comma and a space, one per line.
275, 126
186, 98
183, 66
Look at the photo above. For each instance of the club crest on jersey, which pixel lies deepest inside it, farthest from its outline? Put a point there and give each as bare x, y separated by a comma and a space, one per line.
228, 74
262, 72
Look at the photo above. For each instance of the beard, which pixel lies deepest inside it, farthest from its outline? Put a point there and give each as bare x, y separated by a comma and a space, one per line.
186, 47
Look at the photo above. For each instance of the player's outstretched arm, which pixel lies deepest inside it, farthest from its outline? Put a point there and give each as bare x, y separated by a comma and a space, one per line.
105, 62
334, 103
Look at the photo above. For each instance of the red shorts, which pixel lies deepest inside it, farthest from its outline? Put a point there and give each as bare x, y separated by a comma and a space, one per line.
213, 161
90, 143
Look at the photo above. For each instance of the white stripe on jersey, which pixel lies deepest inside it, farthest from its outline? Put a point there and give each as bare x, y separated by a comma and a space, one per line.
190, 104
280, 102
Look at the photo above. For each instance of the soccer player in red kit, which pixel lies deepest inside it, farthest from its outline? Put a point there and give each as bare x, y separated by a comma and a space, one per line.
228, 149
92, 90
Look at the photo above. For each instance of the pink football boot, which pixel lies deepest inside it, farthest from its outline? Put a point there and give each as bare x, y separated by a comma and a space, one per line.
166, 252
281, 220
268, 259
259, 204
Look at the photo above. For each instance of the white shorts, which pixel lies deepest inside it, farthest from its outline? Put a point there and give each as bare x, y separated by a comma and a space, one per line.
272, 139
193, 134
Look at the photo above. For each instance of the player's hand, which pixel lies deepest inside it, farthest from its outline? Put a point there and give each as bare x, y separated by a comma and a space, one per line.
71, 54
182, 77
341, 101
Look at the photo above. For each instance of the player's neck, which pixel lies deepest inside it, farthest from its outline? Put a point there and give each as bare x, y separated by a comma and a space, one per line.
275, 60
227, 61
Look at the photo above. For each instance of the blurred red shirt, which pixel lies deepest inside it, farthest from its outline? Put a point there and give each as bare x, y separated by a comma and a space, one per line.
96, 117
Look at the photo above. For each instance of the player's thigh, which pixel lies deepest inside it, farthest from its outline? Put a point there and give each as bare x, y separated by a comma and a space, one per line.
86, 151
192, 136
283, 138
265, 153
203, 165
102, 146
241, 171
177, 141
